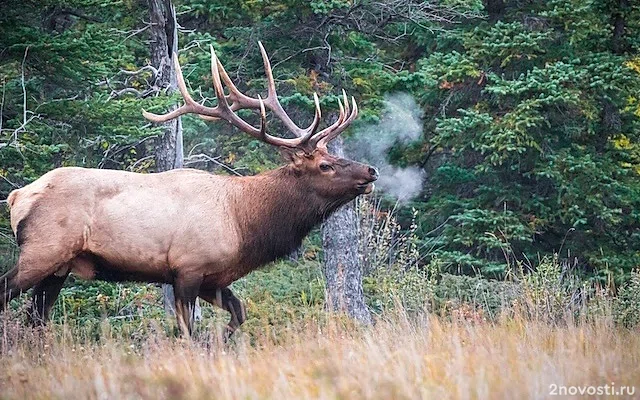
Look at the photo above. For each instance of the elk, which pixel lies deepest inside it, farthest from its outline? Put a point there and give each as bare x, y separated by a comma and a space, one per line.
194, 230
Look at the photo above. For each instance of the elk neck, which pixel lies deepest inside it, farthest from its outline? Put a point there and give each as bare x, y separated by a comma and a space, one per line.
275, 210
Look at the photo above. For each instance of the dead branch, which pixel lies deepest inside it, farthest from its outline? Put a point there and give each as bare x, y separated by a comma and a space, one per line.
139, 161
126, 83
110, 154
373, 18
15, 186
196, 158
141, 94
154, 71
24, 95
2, 103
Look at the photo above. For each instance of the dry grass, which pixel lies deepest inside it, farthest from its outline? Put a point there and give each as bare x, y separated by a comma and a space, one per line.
433, 358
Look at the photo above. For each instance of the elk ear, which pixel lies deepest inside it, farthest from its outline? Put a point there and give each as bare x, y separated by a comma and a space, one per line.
294, 156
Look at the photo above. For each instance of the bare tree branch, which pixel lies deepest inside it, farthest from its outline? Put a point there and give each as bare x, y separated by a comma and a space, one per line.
135, 32
24, 95
25, 120
141, 94
110, 153
4, 86
15, 186
196, 158
375, 17
154, 71
151, 87
135, 164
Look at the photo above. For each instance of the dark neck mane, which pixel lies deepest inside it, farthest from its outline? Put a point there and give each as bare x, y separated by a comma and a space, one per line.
275, 211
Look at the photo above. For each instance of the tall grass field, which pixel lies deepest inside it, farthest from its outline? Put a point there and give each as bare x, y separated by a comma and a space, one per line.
398, 358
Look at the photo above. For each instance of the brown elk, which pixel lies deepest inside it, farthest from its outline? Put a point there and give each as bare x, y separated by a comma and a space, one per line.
197, 231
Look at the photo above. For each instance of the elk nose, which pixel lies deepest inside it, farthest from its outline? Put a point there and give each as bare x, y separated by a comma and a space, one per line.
373, 172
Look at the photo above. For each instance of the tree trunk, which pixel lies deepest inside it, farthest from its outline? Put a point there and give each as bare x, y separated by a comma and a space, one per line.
618, 43
169, 150
495, 8
341, 268
164, 43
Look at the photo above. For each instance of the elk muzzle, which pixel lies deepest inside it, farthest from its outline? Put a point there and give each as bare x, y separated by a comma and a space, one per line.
367, 186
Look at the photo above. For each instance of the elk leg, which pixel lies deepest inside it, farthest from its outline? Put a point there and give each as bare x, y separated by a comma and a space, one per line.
18, 280
45, 294
186, 291
225, 299
37, 261
8, 289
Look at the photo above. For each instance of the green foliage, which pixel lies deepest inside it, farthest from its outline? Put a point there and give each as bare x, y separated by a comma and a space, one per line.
457, 294
56, 108
284, 294
627, 307
550, 291
275, 298
531, 113
287, 294
531, 128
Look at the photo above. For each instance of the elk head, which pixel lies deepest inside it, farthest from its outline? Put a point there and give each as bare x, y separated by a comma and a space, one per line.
327, 175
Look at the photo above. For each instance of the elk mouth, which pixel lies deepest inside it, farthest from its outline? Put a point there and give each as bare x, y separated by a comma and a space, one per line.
366, 188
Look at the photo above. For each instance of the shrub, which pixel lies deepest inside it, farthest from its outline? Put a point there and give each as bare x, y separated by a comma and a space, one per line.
626, 307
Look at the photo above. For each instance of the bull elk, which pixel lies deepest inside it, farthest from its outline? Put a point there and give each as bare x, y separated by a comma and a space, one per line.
197, 231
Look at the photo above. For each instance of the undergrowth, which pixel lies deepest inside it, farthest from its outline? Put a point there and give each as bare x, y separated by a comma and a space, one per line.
399, 274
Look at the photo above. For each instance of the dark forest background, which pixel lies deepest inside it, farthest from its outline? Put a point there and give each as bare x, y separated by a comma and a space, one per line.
531, 115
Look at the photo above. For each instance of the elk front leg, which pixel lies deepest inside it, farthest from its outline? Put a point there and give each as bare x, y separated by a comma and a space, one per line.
225, 299
186, 291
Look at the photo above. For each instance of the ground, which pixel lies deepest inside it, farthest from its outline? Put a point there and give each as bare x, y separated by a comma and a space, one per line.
427, 357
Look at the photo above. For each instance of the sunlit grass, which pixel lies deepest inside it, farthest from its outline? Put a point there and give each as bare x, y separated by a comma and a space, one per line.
428, 357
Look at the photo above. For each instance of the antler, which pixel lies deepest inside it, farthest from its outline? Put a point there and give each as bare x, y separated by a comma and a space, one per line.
307, 137
322, 138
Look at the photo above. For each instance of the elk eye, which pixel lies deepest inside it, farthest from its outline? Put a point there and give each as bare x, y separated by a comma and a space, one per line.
324, 167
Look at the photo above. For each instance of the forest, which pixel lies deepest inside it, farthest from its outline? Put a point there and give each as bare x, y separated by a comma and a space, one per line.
498, 256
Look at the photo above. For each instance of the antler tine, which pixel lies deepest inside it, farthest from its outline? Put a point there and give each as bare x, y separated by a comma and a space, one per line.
239, 100
190, 106
243, 103
274, 105
271, 84
317, 116
345, 101
223, 107
186, 108
323, 133
322, 138
263, 119
232, 117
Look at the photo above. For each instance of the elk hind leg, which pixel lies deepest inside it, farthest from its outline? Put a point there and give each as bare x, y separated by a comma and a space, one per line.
34, 265
45, 294
225, 299
8, 289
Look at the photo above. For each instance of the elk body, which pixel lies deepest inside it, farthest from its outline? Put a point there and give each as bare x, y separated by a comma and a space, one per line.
197, 231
